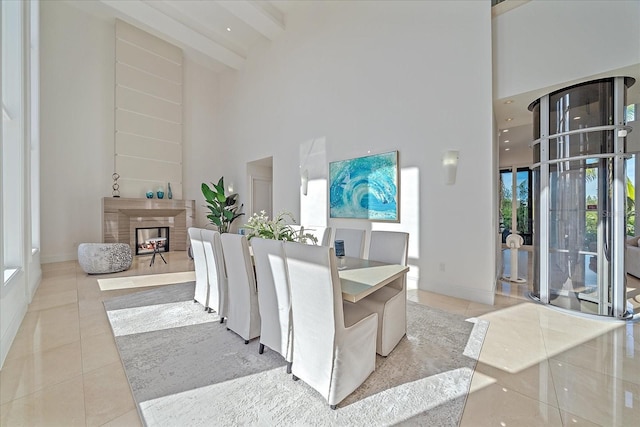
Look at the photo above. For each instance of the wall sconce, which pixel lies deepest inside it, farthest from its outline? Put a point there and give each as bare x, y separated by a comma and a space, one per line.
450, 166
304, 181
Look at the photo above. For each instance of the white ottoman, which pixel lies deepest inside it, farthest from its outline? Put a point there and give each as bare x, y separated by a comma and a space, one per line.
101, 258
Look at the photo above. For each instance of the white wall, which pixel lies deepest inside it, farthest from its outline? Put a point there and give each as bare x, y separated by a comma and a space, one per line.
545, 43
77, 90
201, 151
381, 76
77, 127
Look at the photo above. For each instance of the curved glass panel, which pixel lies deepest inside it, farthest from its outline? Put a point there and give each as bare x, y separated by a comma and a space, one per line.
574, 241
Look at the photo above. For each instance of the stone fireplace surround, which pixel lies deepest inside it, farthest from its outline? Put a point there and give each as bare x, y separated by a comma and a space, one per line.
122, 216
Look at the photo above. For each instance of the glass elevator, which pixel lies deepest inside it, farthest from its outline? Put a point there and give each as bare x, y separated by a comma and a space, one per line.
580, 197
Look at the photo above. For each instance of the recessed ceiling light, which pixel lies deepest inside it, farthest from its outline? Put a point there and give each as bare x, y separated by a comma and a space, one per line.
577, 118
507, 149
506, 140
505, 130
228, 29
509, 119
509, 101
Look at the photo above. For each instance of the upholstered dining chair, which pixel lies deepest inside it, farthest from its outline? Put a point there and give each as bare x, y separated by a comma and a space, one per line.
390, 302
243, 317
323, 234
216, 273
200, 264
353, 241
274, 298
333, 341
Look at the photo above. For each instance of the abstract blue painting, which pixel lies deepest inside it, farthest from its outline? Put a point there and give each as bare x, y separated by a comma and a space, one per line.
365, 187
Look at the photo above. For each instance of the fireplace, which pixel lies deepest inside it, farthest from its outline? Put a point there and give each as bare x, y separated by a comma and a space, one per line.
147, 237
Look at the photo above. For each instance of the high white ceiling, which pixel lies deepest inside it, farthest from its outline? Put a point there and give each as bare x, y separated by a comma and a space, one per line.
219, 35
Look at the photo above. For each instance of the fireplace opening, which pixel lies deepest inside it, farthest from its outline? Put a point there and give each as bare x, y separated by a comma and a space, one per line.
146, 238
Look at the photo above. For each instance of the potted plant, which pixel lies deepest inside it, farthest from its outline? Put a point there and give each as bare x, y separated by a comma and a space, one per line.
223, 208
259, 225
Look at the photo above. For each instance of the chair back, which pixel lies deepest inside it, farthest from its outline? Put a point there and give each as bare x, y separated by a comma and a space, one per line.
316, 305
389, 246
323, 234
243, 315
274, 298
215, 271
200, 264
353, 241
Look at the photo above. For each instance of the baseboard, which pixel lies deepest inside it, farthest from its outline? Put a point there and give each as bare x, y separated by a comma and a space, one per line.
10, 334
481, 296
47, 259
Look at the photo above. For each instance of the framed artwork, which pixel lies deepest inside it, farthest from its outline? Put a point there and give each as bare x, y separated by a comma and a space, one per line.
365, 188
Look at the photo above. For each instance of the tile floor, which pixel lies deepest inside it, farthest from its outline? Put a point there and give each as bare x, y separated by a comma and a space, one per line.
538, 366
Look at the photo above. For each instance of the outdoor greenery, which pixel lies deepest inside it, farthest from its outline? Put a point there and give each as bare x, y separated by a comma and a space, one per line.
522, 212
278, 228
223, 209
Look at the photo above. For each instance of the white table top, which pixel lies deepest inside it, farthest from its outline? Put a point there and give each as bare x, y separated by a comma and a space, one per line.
361, 277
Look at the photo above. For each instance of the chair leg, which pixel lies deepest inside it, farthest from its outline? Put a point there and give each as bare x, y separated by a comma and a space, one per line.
261, 349
246, 342
221, 319
289, 367
228, 329
195, 301
207, 309
334, 407
295, 378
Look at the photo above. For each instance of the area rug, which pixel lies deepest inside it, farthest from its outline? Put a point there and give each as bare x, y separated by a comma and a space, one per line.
113, 283
185, 368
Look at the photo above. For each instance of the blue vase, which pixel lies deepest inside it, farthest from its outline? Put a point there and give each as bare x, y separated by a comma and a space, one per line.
169, 193
149, 194
160, 194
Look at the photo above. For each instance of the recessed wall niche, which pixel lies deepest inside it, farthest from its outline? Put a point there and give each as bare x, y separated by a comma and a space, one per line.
148, 112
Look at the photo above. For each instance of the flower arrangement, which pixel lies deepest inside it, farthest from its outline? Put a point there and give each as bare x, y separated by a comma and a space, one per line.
278, 228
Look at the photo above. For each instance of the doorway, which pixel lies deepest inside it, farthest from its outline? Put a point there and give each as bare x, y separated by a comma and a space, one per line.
260, 182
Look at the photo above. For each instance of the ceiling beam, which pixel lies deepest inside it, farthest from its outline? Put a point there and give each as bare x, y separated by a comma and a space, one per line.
179, 33
264, 18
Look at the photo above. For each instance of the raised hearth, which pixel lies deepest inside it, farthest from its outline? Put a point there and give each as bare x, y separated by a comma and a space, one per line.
122, 216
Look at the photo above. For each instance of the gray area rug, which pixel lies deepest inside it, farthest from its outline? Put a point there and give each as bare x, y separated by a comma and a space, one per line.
185, 368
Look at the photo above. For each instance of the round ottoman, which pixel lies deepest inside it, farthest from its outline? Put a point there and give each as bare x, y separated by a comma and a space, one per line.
101, 258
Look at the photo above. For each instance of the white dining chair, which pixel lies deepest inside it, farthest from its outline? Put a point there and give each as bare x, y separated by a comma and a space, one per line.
334, 342
274, 298
390, 302
243, 317
353, 241
200, 263
323, 234
216, 274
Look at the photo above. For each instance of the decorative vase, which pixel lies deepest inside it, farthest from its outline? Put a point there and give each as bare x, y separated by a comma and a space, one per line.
169, 193
149, 194
160, 193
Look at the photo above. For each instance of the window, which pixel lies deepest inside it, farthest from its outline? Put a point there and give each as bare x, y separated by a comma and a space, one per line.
12, 136
524, 208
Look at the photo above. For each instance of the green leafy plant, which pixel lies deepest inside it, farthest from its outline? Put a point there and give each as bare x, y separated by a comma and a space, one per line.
278, 228
223, 208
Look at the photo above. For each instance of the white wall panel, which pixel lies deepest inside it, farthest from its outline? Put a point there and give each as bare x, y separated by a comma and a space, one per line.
147, 83
148, 112
146, 61
150, 169
139, 124
138, 146
147, 41
142, 103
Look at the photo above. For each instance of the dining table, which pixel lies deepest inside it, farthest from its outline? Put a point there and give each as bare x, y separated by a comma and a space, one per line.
361, 277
